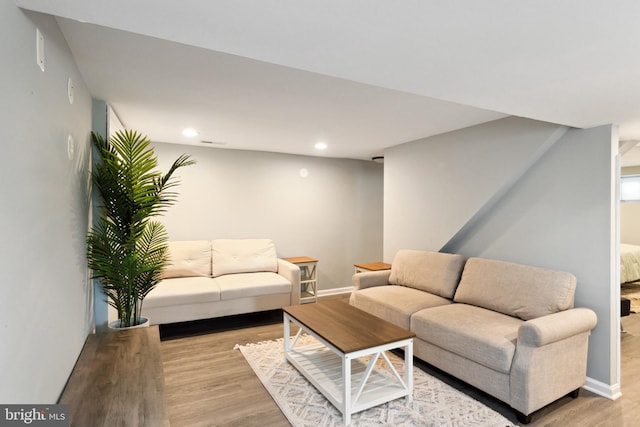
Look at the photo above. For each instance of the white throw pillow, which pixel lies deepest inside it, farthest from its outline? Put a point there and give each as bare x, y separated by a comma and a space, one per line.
188, 258
243, 256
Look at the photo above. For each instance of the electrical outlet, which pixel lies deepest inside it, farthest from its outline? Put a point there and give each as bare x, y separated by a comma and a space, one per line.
40, 49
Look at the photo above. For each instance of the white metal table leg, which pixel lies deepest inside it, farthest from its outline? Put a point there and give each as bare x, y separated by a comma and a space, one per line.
287, 335
408, 370
346, 381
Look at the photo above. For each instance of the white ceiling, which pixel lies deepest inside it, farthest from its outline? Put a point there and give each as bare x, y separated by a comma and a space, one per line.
279, 75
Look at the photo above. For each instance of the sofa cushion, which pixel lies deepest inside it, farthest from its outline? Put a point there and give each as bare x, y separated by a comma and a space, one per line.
514, 289
242, 285
183, 290
243, 256
188, 258
434, 272
477, 334
394, 303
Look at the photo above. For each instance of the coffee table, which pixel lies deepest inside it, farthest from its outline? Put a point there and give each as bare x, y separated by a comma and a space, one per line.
333, 362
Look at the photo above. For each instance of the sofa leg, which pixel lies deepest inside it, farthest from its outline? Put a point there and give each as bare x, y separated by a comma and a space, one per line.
526, 419
522, 418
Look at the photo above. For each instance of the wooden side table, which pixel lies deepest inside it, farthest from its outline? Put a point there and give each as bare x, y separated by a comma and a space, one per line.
372, 266
308, 277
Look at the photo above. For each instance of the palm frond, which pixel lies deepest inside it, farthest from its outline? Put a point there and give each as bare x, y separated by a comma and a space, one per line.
126, 250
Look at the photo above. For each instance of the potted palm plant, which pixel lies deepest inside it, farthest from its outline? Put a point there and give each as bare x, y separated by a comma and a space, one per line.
126, 248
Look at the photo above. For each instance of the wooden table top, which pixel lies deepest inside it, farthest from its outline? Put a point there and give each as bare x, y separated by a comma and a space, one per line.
374, 266
300, 259
118, 380
346, 327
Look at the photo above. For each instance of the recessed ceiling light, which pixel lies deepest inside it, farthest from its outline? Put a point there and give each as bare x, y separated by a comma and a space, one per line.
321, 146
189, 132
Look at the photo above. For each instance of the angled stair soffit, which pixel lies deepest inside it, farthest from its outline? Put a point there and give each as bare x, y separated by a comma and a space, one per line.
456, 241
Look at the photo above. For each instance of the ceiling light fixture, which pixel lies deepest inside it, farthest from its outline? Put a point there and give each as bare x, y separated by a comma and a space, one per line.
189, 132
320, 146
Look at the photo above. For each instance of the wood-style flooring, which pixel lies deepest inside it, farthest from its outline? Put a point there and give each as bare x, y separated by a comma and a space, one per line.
208, 383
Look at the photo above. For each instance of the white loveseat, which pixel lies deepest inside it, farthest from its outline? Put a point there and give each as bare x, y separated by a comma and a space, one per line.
213, 278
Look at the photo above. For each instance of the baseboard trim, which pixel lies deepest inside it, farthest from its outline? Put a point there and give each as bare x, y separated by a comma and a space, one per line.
605, 390
335, 291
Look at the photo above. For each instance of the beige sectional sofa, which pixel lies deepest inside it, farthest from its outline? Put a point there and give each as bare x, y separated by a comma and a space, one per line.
507, 329
213, 278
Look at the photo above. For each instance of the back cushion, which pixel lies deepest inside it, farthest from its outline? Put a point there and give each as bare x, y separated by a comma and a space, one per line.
188, 259
243, 256
514, 289
435, 272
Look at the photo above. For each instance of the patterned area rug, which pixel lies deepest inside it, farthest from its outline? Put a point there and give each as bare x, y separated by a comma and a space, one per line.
434, 402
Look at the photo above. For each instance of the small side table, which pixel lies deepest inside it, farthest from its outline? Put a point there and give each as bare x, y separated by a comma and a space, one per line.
372, 266
308, 277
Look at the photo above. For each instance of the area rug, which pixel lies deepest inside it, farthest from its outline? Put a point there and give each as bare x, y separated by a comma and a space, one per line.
434, 402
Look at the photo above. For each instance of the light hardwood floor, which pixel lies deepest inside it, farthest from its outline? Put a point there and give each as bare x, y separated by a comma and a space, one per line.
208, 383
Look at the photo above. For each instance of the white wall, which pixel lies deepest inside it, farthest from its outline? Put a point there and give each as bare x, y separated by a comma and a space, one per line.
630, 215
520, 191
45, 308
334, 214
630, 223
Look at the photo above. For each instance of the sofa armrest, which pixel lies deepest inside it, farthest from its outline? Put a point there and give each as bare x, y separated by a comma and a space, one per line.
369, 279
550, 359
555, 327
291, 272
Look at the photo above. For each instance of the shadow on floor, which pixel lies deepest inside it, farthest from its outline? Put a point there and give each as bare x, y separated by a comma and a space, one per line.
219, 324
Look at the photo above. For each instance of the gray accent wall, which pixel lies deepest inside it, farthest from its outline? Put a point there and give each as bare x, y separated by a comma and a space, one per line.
333, 215
46, 303
520, 191
99, 124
